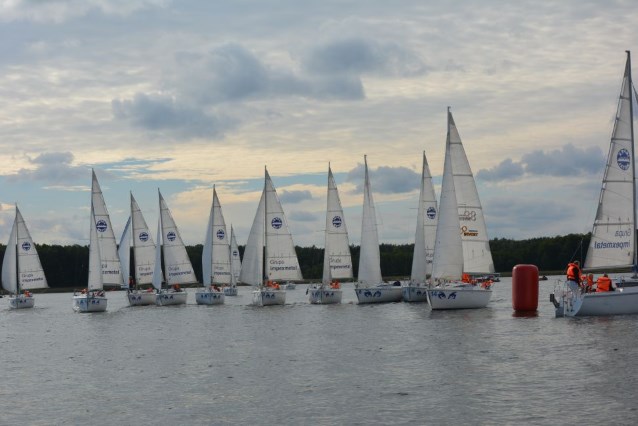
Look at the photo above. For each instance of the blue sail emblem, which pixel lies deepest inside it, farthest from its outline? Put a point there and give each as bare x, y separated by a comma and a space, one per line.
26, 246
220, 234
101, 225
337, 221
623, 158
431, 212
276, 222
143, 236
171, 236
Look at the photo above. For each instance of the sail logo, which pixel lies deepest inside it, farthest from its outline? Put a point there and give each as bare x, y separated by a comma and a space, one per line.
235, 253
337, 221
143, 236
220, 234
431, 212
101, 225
171, 236
26, 246
466, 232
623, 158
468, 216
276, 222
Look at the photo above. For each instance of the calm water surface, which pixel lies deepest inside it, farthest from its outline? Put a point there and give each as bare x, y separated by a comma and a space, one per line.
306, 364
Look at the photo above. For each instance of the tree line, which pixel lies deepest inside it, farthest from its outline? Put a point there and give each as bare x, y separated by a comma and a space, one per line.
67, 266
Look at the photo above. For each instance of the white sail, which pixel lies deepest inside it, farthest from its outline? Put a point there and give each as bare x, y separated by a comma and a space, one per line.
252, 270
235, 258
476, 244
216, 251
105, 236
280, 256
613, 240
96, 277
369, 256
448, 246
30, 272
337, 261
9, 262
426, 221
158, 277
177, 264
124, 253
143, 246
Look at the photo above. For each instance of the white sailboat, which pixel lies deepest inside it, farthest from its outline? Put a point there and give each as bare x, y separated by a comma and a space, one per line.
177, 265
370, 287
270, 252
613, 240
426, 221
337, 261
21, 267
449, 292
235, 265
103, 247
138, 233
216, 269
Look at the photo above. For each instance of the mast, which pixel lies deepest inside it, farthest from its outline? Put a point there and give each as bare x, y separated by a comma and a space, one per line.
15, 243
633, 169
265, 248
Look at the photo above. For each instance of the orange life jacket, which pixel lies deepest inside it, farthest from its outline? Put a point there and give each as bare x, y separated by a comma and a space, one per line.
603, 284
573, 272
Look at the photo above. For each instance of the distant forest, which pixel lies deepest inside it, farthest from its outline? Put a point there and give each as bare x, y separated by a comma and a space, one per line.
67, 266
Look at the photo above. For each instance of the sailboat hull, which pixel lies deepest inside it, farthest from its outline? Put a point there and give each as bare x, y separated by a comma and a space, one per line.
230, 291
576, 304
268, 297
324, 296
21, 302
141, 298
379, 294
89, 303
207, 297
415, 293
458, 297
171, 298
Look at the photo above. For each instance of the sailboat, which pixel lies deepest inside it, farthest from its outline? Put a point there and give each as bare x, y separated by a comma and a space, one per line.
21, 267
370, 287
138, 234
425, 234
270, 252
337, 261
448, 291
177, 264
104, 262
215, 257
613, 240
235, 265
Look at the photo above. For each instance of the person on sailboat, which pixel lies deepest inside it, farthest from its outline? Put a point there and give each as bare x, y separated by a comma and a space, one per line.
335, 284
573, 275
588, 281
604, 284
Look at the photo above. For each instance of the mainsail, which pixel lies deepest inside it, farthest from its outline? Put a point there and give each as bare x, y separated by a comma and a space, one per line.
427, 218
235, 258
143, 246
216, 252
110, 262
613, 240
177, 264
337, 261
369, 256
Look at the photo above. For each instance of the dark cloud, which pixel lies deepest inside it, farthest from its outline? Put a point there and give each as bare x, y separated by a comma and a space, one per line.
163, 113
298, 216
386, 180
294, 196
52, 168
362, 56
506, 170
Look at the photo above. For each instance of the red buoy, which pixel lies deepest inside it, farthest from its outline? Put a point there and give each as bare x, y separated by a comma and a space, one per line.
525, 287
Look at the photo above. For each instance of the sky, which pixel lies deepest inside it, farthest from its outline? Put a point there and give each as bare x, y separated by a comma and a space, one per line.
178, 96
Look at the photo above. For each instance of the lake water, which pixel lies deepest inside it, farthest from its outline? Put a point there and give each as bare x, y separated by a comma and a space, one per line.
297, 364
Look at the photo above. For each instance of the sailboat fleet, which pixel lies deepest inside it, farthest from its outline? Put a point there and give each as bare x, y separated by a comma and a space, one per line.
451, 247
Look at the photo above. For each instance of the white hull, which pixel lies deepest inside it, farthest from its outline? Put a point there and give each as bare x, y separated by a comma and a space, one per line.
570, 303
325, 295
207, 297
141, 298
89, 303
230, 291
291, 286
21, 302
167, 298
379, 294
415, 293
267, 297
465, 297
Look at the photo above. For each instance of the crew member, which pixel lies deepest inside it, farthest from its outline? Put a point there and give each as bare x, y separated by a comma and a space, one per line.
603, 284
573, 275
589, 283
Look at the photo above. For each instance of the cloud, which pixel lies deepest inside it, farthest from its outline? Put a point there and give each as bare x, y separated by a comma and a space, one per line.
385, 179
164, 113
566, 161
52, 168
362, 56
294, 196
300, 216
505, 170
